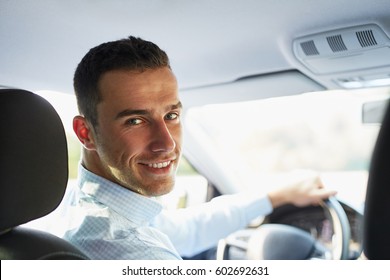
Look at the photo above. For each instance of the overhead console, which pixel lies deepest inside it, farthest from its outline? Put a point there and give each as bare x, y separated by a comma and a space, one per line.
353, 57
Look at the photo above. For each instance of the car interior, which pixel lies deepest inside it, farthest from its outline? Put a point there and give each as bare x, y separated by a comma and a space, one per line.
225, 54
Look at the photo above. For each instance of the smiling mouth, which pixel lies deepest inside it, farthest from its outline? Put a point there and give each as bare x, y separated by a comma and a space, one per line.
159, 165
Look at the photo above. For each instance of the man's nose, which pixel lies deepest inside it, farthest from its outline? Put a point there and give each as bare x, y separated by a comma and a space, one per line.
162, 138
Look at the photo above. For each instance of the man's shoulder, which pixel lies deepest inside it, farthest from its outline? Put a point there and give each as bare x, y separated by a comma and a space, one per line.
140, 243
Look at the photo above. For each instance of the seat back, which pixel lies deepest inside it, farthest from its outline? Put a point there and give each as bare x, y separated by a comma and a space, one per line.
376, 241
33, 175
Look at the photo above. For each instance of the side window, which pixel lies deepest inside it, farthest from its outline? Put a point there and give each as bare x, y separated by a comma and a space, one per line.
74, 153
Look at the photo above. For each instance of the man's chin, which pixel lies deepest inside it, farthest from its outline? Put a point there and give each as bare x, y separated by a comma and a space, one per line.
160, 191
156, 189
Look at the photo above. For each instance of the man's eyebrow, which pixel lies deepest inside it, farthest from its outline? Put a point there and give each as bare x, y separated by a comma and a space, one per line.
177, 106
130, 112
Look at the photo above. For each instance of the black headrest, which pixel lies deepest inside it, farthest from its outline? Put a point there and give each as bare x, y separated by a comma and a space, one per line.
33, 158
377, 206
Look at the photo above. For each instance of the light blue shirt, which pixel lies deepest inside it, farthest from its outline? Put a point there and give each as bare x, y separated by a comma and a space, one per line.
195, 229
107, 221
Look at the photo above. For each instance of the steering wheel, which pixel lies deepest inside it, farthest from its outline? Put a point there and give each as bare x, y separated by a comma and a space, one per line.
285, 242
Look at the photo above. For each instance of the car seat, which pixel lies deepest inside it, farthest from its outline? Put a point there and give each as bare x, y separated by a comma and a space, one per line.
376, 241
33, 178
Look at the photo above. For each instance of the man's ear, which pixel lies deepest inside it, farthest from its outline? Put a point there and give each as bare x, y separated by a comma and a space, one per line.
83, 131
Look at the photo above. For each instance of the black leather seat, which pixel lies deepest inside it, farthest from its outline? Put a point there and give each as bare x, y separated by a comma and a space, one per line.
376, 241
33, 178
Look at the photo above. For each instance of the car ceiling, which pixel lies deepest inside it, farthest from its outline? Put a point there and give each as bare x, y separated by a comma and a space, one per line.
210, 42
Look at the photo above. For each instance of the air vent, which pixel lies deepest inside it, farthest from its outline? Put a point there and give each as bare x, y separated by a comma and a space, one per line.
344, 50
309, 48
366, 38
336, 43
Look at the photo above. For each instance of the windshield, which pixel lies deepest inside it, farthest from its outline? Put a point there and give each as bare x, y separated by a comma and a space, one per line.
256, 142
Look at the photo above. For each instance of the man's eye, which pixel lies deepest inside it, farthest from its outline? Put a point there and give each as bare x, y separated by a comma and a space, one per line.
172, 116
134, 121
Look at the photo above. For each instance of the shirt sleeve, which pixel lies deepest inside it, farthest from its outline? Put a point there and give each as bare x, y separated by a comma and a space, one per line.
195, 229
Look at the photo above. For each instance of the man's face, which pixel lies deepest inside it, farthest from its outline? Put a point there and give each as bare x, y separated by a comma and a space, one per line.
138, 137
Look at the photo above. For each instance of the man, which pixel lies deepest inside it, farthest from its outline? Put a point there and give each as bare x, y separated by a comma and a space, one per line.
130, 129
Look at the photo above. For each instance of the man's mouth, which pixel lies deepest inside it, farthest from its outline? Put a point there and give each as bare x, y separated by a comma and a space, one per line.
159, 165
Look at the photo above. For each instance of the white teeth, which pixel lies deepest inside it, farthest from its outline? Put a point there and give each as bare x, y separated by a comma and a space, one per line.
159, 165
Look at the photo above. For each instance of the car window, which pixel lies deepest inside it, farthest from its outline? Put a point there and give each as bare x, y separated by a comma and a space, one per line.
259, 143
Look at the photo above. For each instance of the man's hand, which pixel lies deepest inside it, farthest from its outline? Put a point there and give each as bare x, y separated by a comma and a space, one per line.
306, 189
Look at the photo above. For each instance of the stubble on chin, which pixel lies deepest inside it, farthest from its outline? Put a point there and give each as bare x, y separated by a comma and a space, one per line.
152, 188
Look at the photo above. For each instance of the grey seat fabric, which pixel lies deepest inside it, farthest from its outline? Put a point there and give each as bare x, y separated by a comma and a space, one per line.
376, 241
33, 176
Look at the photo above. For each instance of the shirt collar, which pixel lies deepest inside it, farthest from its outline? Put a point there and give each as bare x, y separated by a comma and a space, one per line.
133, 206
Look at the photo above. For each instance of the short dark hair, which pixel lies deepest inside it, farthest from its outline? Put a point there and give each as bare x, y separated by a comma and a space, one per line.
129, 54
